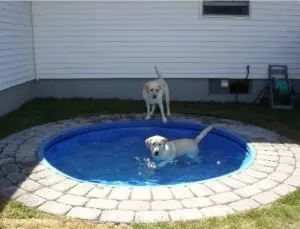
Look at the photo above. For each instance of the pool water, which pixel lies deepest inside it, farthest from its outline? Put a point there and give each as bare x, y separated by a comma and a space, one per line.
116, 154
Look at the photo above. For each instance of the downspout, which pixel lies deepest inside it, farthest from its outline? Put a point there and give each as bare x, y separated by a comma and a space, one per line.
33, 45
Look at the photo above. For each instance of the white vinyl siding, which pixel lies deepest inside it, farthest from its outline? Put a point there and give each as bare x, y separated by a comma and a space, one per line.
126, 39
16, 46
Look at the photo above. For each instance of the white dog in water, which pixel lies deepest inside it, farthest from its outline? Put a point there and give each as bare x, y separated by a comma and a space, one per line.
153, 93
166, 151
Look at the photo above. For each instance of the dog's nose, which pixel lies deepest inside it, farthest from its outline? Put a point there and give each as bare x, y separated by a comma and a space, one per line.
156, 153
154, 96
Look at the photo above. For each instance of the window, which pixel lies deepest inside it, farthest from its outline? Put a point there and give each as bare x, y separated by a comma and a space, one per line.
235, 8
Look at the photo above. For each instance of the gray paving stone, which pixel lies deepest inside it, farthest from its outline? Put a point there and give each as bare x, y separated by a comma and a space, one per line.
17, 178
297, 156
151, 216
30, 185
30, 154
296, 172
84, 213
256, 173
200, 190
165, 205
244, 205
198, 202
232, 183
264, 148
51, 180
293, 181
278, 176
268, 152
10, 168
24, 152
287, 160
73, 200
55, 208
291, 145
120, 193
181, 192
117, 216
141, 194
102, 203
31, 200
217, 186
267, 158
4, 183
285, 168
279, 146
39, 168
218, 210
161, 193
266, 163
285, 153
244, 178
248, 191
99, 192
25, 162
134, 205
6, 153
48, 194
64, 185
295, 149
186, 214
27, 170
266, 197
40, 175
283, 189
5, 161
261, 168
266, 184
224, 198
12, 192
81, 189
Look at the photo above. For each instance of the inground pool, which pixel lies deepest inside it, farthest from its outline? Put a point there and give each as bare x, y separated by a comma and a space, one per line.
116, 154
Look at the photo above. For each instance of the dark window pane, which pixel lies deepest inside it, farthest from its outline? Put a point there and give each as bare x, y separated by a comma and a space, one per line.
226, 8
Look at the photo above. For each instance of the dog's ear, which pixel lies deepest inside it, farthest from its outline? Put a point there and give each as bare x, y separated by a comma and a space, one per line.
148, 142
147, 88
165, 141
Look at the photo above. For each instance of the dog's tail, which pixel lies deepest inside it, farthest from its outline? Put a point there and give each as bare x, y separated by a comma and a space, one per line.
203, 133
157, 72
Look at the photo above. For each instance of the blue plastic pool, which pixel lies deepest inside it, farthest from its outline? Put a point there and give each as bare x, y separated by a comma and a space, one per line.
115, 154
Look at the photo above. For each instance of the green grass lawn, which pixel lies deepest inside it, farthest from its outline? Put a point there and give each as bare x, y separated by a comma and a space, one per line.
285, 213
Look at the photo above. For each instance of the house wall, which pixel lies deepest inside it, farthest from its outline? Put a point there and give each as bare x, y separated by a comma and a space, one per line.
105, 40
16, 55
108, 49
13, 97
180, 89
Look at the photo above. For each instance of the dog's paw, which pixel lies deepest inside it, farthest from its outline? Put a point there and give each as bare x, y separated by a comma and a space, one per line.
161, 165
147, 117
164, 119
197, 160
168, 114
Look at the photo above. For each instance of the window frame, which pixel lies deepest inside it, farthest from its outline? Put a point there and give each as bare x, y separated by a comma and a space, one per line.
225, 2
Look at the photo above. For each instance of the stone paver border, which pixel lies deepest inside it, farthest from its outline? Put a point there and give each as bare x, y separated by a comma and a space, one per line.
275, 172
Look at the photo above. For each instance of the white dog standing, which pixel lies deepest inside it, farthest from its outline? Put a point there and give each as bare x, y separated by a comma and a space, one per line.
154, 92
166, 151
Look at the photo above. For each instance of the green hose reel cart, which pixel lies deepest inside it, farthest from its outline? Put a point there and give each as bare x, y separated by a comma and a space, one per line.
281, 94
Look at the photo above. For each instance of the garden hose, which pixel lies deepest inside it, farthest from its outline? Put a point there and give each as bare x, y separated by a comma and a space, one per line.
282, 87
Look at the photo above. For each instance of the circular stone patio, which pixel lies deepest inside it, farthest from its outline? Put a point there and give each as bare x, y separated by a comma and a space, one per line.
275, 172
